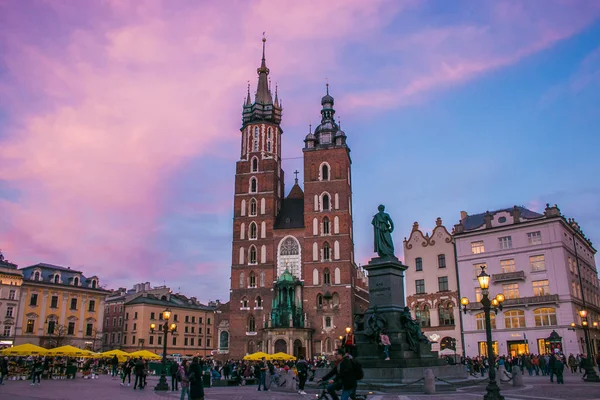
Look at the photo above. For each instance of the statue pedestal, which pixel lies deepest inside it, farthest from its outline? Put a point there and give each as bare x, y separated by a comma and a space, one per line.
386, 310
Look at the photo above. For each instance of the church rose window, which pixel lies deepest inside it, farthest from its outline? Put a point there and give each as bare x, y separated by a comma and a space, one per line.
289, 257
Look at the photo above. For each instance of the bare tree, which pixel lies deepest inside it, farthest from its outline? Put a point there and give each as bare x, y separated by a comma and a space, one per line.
58, 337
95, 337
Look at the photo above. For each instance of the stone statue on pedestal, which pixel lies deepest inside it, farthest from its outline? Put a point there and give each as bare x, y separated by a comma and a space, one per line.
383, 226
414, 335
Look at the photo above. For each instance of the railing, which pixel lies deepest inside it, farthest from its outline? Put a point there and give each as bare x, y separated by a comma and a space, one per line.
524, 301
508, 276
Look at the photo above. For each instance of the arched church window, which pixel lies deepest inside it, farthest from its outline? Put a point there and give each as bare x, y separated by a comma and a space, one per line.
335, 300
315, 277
269, 146
325, 172
289, 257
269, 133
252, 255
326, 202
327, 322
326, 277
319, 300
254, 164
259, 302
252, 207
255, 144
326, 252
326, 226
244, 302
242, 280
253, 185
253, 231
252, 280
262, 278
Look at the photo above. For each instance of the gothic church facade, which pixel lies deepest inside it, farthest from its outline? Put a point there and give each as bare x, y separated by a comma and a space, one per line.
294, 283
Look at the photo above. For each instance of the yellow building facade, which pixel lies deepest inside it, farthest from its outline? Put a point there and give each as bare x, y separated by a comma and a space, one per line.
195, 334
60, 306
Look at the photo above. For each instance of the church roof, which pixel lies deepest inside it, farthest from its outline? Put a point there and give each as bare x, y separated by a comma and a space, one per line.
291, 214
296, 192
475, 221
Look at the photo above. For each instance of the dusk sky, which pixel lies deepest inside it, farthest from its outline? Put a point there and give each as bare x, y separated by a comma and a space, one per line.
119, 120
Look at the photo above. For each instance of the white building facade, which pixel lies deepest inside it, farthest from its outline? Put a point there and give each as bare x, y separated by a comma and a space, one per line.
545, 278
432, 287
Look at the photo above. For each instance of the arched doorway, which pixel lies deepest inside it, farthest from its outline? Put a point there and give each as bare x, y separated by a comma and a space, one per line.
280, 346
448, 343
299, 349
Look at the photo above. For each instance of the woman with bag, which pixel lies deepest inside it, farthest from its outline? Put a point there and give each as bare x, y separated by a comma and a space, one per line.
183, 378
195, 378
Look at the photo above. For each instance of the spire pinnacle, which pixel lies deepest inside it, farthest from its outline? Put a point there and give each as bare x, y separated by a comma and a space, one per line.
248, 101
276, 96
263, 92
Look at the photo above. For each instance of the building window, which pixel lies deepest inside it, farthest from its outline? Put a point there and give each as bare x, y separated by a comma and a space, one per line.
259, 302
534, 238
545, 316
483, 350
74, 304
88, 329
159, 340
71, 328
94, 284
193, 319
319, 301
174, 341
325, 226
54, 302
262, 279
92, 306
9, 311
441, 260
251, 324
254, 164
325, 172
420, 286
185, 341
30, 325
419, 264
51, 327
252, 255
207, 342
76, 281
152, 316
446, 313
507, 265
505, 242
477, 247
478, 295
541, 288
480, 321
443, 283
244, 302
253, 185
477, 268
253, 231
7, 330
537, 263
255, 141
253, 208
514, 319
151, 340
56, 278
326, 252
327, 322
511, 290
326, 277
326, 202
33, 299
252, 279
12, 294
423, 316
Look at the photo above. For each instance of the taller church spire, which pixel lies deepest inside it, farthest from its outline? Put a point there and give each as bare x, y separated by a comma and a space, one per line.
263, 108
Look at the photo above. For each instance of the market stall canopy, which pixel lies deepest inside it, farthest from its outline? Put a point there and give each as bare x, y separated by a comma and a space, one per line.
281, 356
145, 354
70, 351
26, 349
121, 355
256, 356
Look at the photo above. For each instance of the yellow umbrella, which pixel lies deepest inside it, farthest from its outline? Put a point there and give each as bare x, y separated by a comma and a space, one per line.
256, 356
26, 349
70, 351
145, 354
121, 355
282, 356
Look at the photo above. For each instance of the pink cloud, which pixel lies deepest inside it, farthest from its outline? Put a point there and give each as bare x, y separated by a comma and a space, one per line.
106, 103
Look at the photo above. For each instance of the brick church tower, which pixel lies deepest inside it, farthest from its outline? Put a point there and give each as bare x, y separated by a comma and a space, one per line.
294, 283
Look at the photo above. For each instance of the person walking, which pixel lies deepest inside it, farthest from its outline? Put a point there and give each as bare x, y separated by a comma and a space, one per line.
385, 341
115, 365
559, 368
182, 376
195, 378
572, 363
174, 367
551, 364
302, 368
262, 366
139, 374
36, 372
127, 367
345, 378
3, 369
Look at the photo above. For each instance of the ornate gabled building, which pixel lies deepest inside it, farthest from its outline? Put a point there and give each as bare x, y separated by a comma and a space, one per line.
294, 282
432, 286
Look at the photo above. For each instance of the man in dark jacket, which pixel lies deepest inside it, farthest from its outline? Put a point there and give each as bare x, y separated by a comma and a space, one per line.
344, 377
195, 378
302, 367
551, 364
115, 364
139, 374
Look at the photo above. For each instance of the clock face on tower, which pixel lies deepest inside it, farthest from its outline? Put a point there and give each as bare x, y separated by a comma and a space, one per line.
326, 138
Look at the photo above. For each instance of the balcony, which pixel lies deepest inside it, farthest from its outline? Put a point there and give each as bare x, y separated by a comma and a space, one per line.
508, 276
531, 301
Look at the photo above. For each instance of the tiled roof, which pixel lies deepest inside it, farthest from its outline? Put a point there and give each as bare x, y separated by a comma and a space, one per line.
66, 275
477, 220
175, 300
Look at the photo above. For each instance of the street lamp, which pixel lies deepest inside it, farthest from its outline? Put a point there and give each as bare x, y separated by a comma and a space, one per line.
591, 375
493, 391
162, 383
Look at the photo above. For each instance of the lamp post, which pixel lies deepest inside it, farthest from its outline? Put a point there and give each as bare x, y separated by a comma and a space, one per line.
590, 373
162, 383
493, 391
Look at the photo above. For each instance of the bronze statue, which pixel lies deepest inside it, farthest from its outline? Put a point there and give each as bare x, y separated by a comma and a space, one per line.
414, 335
383, 227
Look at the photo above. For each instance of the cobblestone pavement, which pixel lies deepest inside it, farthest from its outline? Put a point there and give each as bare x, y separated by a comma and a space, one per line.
106, 388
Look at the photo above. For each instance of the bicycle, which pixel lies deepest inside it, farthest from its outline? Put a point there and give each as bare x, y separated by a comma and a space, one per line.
325, 395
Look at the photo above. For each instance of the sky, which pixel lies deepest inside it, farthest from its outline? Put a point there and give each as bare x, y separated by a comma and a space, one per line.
119, 120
